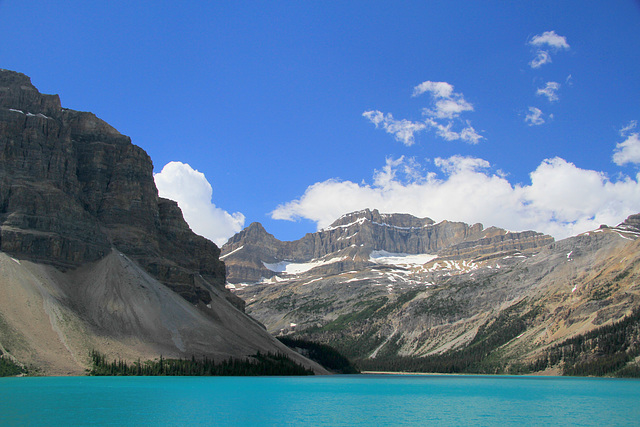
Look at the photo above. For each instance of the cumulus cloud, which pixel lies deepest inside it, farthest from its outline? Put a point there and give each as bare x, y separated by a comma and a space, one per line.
628, 151
437, 89
550, 39
190, 188
543, 42
446, 106
534, 117
550, 91
560, 200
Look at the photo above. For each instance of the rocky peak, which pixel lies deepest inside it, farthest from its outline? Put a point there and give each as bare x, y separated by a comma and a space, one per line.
374, 216
17, 92
72, 187
632, 223
253, 234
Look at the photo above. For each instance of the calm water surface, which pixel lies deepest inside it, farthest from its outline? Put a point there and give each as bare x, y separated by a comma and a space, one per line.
333, 400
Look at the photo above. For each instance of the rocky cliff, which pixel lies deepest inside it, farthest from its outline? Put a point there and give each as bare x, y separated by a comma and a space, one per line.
353, 237
72, 187
91, 257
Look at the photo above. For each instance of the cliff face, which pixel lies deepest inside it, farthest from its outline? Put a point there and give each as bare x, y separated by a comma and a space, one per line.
358, 234
92, 259
72, 186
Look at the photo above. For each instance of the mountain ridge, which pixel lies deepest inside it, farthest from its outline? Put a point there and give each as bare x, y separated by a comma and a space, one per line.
492, 301
359, 233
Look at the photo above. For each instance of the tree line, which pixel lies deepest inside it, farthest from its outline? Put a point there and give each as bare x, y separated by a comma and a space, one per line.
609, 350
324, 354
256, 365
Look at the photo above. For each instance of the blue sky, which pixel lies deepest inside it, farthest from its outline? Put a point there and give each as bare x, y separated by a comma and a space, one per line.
519, 114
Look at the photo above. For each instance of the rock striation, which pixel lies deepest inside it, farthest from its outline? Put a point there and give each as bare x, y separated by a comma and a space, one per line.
92, 259
358, 234
72, 187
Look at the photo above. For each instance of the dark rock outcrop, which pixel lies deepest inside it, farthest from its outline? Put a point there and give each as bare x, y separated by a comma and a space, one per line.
72, 186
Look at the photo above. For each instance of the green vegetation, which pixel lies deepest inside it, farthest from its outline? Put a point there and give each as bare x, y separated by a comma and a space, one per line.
478, 357
325, 355
441, 307
603, 292
314, 306
259, 364
345, 320
606, 351
8, 368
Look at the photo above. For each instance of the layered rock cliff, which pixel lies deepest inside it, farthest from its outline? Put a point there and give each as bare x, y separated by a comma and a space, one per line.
353, 237
72, 187
92, 258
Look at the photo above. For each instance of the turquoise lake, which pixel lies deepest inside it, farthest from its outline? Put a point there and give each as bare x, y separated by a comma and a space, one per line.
330, 400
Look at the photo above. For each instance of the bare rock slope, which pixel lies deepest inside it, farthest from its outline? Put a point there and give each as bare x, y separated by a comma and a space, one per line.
405, 293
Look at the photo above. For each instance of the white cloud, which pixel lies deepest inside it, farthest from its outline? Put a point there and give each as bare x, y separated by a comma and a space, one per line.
534, 118
561, 200
550, 91
544, 41
470, 135
437, 89
446, 106
551, 39
447, 103
190, 188
403, 130
626, 131
542, 57
628, 151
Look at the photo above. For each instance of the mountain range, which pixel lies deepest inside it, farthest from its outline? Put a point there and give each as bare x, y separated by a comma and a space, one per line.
91, 259
396, 292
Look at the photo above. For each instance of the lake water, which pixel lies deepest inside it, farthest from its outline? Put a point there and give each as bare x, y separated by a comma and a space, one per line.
331, 400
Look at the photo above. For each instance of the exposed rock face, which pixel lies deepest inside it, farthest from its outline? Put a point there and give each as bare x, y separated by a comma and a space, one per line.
92, 258
357, 234
72, 186
632, 223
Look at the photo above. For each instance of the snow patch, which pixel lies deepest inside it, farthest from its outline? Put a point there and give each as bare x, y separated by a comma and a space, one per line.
624, 237
298, 268
359, 221
233, 251
390, 258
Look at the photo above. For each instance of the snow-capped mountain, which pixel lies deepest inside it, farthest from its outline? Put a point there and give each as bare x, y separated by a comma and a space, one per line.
391, 289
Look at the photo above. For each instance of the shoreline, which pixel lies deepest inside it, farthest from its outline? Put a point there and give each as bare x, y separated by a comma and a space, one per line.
534, 374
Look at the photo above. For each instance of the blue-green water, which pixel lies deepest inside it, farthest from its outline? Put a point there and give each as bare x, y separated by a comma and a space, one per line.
333, 400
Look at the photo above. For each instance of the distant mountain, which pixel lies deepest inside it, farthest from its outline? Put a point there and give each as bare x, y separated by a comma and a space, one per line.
349, 242
92, 258
395, 292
